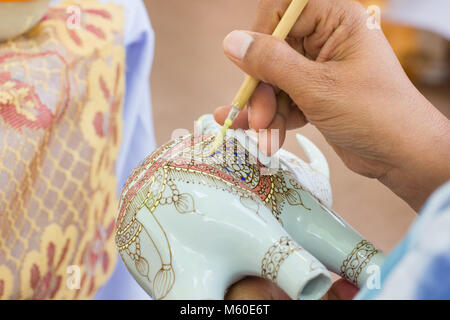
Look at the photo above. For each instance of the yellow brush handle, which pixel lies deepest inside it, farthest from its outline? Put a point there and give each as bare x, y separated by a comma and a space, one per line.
281, 31
248, 87
245, 92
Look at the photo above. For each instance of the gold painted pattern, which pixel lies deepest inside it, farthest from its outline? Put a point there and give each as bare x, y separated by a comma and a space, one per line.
357, 260
154, 183
128, 232
276, 255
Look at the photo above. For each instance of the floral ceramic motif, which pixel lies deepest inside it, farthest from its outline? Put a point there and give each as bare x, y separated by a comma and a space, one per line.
320, 230
244, 178
160, 181
182, 204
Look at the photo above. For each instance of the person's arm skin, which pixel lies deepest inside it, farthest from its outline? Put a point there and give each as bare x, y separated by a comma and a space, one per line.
254, 288
344, 79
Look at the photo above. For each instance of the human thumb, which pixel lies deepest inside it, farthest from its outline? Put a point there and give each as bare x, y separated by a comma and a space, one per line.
273, 61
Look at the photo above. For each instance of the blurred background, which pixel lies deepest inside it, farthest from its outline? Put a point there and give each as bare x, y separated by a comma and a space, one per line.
191, 76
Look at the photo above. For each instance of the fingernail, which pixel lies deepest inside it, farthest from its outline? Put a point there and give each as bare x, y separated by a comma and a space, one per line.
237, 43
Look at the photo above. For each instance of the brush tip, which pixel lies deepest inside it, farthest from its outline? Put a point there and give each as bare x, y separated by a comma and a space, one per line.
220, 136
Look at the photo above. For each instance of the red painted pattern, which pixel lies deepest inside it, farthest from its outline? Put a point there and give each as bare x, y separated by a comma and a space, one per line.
174, 157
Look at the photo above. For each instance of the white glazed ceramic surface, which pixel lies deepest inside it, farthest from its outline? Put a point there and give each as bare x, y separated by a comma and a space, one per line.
191, 224
318, 229
188, 229
17, 18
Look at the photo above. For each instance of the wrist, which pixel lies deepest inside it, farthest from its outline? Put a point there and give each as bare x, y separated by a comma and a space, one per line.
410, 187
424, 162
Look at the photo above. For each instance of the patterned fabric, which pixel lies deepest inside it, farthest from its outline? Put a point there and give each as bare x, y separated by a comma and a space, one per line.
138, 135
61, 96
419, 268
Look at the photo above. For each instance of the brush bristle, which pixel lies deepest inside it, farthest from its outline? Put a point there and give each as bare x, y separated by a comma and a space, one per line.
221, 135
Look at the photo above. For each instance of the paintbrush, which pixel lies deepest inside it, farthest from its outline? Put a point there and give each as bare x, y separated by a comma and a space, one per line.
283, 28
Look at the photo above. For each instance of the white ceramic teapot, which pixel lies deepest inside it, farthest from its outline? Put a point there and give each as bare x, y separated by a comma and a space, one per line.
310, 220
190, 224
187, 230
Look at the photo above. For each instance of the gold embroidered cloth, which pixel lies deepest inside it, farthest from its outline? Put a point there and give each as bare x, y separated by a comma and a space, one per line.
61, 92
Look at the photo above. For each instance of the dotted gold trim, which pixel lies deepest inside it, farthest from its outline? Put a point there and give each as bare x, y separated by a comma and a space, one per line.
357, 260
276, 255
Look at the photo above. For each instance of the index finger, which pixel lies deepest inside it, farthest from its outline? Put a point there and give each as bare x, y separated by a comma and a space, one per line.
270, 12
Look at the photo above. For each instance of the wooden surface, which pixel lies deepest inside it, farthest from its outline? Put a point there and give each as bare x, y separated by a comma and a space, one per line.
191, 76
